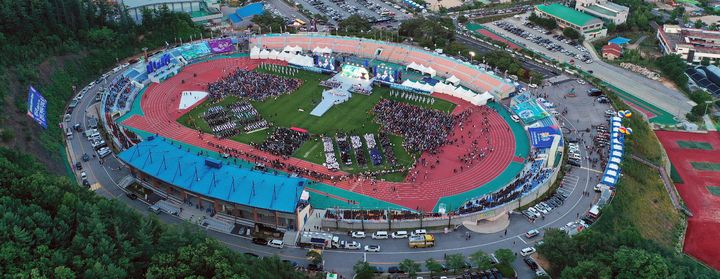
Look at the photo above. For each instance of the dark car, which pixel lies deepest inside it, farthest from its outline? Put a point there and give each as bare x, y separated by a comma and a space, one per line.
78, 166
85, 157
394, 269
259, 241
86, 183
531, 263
131, 196
574, 162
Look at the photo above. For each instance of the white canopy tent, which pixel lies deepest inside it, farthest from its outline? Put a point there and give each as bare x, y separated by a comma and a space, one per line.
293, 50
422, 68
264, 54
453, 80
273, 54
418, 85
322, 50
254, 52
301, 60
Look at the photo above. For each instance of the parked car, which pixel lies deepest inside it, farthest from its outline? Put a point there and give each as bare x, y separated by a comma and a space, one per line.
419, 232
399, 234
78, 166
532, 233
276, 243
531, 263
352, 245
380, 235
527, 251
259, 241
358, 234
372, 248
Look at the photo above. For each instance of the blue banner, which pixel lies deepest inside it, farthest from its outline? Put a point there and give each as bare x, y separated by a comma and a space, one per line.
37, 107
542, 137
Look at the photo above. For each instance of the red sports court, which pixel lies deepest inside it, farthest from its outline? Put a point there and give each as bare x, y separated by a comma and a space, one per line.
694, 156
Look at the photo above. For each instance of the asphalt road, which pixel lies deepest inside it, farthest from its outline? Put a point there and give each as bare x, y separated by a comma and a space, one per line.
581, 115
651, 91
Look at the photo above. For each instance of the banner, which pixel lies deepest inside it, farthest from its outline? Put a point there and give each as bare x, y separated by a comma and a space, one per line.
542, 137
37, 107
221, 45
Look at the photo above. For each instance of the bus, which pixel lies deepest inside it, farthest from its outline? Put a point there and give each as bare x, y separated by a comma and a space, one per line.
298, 21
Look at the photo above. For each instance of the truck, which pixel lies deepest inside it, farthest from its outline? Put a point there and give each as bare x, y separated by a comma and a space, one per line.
319, 240
421, 241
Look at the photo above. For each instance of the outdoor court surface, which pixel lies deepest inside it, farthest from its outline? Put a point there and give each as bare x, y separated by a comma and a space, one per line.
702, 240
160, 111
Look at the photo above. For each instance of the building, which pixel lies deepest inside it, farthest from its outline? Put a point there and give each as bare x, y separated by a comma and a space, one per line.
693, 45
199, 10
604, 9
611, 51
589, 26
242, 16
218, 187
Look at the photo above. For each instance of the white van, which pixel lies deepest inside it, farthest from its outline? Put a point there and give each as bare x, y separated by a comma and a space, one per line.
400, 234
380, 235
419, 232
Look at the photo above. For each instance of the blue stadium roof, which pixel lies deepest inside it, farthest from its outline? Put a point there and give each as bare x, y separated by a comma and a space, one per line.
177, 166
248, 10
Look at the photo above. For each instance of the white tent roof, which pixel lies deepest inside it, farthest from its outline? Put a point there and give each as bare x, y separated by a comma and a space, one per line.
254, 52
325, 50
264, 54
301, 60
273, 54
295, 49
616, 160
453, 80
418, 85
422, 68
613, 166
617, 154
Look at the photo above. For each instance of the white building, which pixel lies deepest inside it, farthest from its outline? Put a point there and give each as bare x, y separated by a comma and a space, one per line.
691, 44
604, 9
199, 10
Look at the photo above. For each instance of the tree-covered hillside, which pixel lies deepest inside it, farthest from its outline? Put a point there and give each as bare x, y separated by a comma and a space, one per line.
53, 228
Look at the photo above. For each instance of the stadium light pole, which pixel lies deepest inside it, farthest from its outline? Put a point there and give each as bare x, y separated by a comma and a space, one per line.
707, 103
472, 56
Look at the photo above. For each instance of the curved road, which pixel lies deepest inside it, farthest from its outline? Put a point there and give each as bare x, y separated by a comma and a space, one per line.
106, 178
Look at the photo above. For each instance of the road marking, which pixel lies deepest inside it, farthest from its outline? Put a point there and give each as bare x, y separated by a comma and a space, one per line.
594, 170
364, 257
523, 240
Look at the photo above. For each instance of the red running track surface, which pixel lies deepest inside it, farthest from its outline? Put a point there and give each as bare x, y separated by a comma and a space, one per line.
160, 105
701, 240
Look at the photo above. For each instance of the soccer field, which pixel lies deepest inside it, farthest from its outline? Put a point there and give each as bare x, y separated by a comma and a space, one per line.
353, 117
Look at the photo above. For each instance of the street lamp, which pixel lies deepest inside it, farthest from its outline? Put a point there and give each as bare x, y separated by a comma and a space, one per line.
472, 55
707, 103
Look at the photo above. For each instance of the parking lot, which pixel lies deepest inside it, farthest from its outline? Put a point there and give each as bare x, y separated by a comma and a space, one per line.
541, 40
376, 11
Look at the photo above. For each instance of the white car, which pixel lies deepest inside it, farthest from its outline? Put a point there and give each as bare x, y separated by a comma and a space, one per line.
580, 81
532, 85
399, 234
380, 235
83, 175
276, 243
352, 245
527, 251
372, 248
515, 118
358, 235
535, 212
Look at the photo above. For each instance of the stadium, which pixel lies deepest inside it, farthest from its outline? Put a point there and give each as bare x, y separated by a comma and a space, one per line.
368, 130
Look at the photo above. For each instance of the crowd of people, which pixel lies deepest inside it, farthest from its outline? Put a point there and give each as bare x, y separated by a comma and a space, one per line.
423, 129
252, 85
118, 91
375, 155
329, 150
236, 118
283, 142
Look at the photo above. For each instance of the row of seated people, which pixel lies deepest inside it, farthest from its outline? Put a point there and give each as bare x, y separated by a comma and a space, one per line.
113, 90
378, 214
236, 118
283, 142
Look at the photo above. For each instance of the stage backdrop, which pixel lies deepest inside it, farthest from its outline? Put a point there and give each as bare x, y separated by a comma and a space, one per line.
221, 45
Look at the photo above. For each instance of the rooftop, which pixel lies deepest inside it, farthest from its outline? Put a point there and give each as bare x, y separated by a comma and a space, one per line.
601, 10
568, 14
174, 164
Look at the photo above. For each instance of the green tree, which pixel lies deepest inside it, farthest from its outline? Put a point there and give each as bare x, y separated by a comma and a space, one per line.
611, 27
433, 266
355, 24
455, 262
587, 270
410, 267
673, 67
481, 260
705, 61
699, 24
363, 270
633, 262
571, 33
505, 256
314, 257
462, 19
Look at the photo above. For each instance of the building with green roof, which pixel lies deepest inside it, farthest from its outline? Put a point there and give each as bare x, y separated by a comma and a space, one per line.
589, 26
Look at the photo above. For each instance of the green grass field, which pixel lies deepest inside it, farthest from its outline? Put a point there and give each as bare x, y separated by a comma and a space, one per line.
694, 145
706, 166
353, 117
